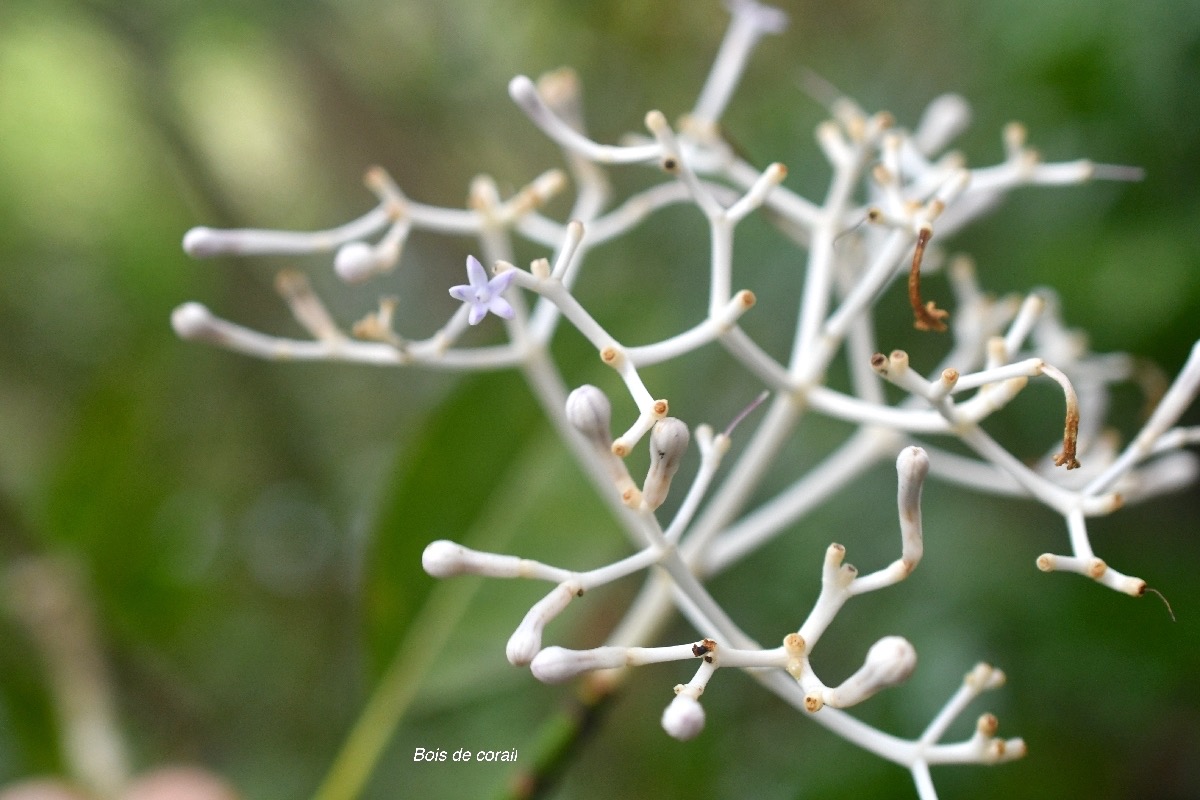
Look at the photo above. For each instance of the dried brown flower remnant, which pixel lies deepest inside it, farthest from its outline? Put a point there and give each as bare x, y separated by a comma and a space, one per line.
1071, 426
927, 316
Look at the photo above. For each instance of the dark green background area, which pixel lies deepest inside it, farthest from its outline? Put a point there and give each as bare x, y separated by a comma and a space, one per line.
250, 532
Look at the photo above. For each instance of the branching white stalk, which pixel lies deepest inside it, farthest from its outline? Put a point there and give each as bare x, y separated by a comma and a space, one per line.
888, 188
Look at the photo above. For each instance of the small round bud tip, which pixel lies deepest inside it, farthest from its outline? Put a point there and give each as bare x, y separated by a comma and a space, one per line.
523, 645
555, 665
894, 658
683, 719
590, 413
200, 243
890, 661
442, 559
521, 88
355, 262
668, 443
191, 320
913, 462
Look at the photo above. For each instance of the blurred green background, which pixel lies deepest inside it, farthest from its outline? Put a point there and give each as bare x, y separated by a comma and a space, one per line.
250, 532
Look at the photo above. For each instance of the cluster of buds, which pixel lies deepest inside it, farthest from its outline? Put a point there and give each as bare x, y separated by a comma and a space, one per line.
894, 196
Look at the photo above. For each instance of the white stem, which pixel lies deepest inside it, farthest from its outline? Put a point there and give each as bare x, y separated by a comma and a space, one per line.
525, 94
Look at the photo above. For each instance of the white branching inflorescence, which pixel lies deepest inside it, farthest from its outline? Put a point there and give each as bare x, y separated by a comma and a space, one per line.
894, 194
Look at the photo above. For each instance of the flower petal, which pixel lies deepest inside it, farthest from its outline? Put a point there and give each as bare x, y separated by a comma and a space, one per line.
500, 307
501, 282
475, 273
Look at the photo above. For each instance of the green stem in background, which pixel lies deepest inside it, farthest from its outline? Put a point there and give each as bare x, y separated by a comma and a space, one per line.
427, 636
432, 626
560, 738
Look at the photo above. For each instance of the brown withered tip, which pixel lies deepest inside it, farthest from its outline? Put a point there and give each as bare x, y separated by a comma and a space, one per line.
926, 315
1068, 460
1070, 440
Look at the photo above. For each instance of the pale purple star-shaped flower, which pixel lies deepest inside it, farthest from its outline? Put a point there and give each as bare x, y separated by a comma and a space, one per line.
484, 295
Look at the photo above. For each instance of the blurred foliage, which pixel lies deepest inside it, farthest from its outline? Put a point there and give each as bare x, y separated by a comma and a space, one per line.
250, 531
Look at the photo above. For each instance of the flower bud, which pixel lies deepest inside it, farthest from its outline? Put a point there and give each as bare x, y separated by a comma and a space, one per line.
526, 640
912, 465
445, 559
590, 413
558, 664
944, 119
889, 662
668, 442
203, 242
683, 719
355, 262
192, 321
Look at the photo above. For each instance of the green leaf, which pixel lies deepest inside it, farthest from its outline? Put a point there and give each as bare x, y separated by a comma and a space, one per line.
439, 490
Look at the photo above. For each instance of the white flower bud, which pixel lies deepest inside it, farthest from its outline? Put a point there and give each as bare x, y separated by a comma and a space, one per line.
558, 664
912, 465
445, 559
355, 262
766, 19
668, 443
683, 719
590, 413
526, 640
889, 662
192, 321
944, 119
208, 242
202, 242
